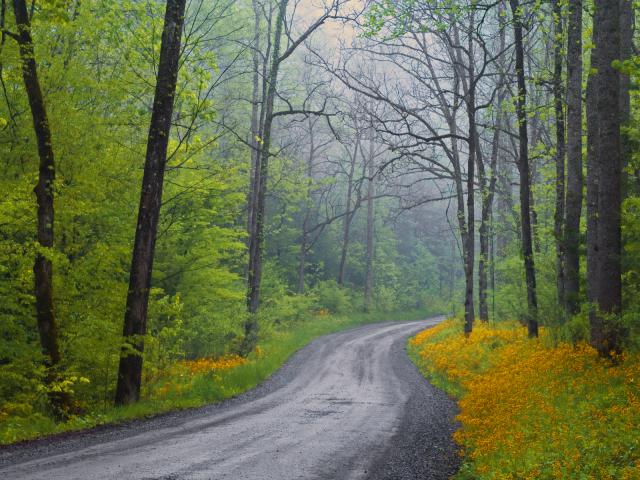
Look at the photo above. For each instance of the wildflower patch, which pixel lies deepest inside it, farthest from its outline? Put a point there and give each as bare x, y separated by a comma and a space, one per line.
531, 409
206, 365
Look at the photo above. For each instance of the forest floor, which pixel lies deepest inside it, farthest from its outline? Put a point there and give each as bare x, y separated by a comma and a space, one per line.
348, 405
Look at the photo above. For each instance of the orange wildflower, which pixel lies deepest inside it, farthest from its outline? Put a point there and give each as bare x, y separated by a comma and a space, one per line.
531, 410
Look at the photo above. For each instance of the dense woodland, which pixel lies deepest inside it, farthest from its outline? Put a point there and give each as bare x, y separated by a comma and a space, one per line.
181, 179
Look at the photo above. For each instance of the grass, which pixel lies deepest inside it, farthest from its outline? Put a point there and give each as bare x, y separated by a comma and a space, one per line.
537, 409
178, 390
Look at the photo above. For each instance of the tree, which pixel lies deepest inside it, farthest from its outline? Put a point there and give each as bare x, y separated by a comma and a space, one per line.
558, 102
573, 212
488, 185
603, 101
470, 82
135, 319
446, 67
370, 247
348, 218
525, 176
259, 188
260, 168
44, 190
316, 148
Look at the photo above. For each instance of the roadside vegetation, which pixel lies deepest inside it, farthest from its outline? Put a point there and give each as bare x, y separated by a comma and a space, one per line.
535, 409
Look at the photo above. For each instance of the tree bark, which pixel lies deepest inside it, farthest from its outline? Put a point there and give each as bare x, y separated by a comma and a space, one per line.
558, 101
535, 130
450, 114
606, 335
574, 160
346, 227
254, 141
505, 206
304, 240
485, 232
256, 240
627, 24
135, 318
469, 311
488, 190
523, 167
483, 235
592, 189
44, 190
368, 282
302, 261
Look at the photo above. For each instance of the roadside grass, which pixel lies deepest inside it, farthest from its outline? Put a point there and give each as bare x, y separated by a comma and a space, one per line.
191, 384
535, 409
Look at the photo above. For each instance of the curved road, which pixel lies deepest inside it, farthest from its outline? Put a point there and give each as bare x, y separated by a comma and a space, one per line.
349, 405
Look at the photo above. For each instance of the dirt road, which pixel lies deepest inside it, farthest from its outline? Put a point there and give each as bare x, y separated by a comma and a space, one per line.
350, 405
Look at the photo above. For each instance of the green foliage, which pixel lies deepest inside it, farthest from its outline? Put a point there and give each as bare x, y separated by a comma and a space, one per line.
98, 96
396, 18
332, 297
97, 65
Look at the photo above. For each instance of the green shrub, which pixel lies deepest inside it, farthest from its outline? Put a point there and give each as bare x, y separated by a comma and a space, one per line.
332, 297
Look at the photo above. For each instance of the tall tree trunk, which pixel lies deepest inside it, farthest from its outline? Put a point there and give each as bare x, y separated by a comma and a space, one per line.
368, 282
607, 291
346, 226
450, 115
574, 160
452, 274
483, 236
302, 261
460, 211
505, 207
502, 183
44, 190
256, 240
488, 194
535, 129
523, 167
535, 231
462, 223
255, 116
627, 24
485, 232
469, 311
592, 189
135, 318
466, 75
558, 100
492, 252
304, 240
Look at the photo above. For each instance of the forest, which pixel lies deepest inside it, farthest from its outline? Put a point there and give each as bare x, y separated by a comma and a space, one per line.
192, 190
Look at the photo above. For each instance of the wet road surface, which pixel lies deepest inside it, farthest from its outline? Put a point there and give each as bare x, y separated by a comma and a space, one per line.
348, 406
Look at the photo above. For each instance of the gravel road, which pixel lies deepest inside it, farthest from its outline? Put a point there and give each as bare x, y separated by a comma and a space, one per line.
348, 406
